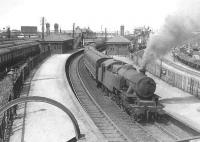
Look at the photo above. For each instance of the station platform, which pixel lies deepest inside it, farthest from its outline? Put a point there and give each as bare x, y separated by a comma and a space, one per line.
47, 123
181, 105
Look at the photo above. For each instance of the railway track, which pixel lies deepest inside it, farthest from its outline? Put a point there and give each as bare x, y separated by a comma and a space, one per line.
113, 122
179, 67
105, 125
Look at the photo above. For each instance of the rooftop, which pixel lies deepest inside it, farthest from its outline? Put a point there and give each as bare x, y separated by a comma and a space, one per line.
118, 40
57, 37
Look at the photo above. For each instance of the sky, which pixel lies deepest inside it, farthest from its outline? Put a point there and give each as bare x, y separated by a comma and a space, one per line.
95, 14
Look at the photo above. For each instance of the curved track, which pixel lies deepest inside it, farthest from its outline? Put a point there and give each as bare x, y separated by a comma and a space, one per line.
179, 67
113, 122
108, 129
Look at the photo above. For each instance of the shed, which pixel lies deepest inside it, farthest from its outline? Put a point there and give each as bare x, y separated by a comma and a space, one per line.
59, 43
118, 46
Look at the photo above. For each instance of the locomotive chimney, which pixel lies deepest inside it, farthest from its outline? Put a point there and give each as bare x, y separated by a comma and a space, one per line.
143, 69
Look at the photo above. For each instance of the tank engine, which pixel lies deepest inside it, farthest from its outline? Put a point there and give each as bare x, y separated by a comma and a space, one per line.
131, 89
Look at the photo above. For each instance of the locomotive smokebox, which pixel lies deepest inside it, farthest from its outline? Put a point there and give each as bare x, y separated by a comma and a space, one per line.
143, 69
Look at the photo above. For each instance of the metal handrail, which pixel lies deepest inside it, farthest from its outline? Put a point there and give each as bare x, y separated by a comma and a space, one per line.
46, 100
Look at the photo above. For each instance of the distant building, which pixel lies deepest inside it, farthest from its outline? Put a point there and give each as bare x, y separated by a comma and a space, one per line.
47, 28
118, 46
29, 30
58, 43
122, 30
56, 26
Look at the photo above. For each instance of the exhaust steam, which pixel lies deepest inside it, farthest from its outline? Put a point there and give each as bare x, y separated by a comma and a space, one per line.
177, 28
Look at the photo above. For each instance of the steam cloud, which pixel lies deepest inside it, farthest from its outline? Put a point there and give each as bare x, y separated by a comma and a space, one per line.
176, 29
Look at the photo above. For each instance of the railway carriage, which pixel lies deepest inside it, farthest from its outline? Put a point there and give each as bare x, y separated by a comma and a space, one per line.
92, 59
194, 63
13, 54
132, 90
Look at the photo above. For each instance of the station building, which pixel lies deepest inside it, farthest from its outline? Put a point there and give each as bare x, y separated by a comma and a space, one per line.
118, 46
58, 43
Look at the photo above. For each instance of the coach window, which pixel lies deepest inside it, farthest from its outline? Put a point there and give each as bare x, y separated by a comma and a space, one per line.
5, 57
9, 56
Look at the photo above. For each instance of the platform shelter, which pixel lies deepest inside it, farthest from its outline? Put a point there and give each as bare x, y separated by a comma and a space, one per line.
58, 43
118, 45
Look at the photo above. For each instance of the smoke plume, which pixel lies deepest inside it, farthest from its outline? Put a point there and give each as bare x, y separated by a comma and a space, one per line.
177, 28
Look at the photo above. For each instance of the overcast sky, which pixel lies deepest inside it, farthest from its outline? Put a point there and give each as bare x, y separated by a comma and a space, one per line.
92, 13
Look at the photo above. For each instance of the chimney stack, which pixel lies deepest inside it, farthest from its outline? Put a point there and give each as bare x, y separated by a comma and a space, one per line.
47, 28
122, 30
56, 26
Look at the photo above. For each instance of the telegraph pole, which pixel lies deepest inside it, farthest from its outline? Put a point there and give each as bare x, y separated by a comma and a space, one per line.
105, 34
42, 27
73, 30
8, 33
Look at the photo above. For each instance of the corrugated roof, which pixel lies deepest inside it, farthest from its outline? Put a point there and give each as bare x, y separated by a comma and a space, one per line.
57, 37
118, 39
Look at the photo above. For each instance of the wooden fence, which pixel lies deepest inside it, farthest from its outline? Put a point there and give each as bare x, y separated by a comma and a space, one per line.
181, 80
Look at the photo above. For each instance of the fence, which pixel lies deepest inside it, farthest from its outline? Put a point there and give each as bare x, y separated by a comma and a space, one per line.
10, 89
175, 78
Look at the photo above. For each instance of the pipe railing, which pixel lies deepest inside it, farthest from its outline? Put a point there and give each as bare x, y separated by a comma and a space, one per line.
46, 100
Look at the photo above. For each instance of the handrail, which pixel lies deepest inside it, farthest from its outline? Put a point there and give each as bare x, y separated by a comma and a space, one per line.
46, 100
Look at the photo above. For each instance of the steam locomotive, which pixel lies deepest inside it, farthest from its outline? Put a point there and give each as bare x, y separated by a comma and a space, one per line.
132, 90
